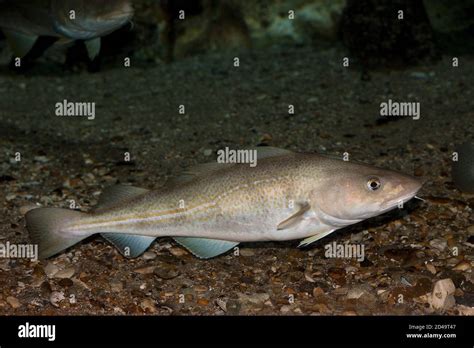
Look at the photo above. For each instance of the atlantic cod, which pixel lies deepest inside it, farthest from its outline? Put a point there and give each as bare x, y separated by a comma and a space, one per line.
214, 207
24, 21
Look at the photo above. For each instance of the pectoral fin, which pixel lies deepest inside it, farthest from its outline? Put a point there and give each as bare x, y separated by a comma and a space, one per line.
93, 48
205, 248
20, 43
296, 218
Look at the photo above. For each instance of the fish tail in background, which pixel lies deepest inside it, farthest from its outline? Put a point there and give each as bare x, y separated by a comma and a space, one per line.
46, 228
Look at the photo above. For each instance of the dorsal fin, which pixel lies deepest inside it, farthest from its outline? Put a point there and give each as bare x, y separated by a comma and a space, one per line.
269, 151
199, 170
118, 193
204, 169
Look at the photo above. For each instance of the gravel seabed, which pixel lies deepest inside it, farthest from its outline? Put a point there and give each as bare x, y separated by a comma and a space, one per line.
407, 252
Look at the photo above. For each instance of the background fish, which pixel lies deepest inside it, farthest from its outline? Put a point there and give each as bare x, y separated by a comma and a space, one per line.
215, 206
24, 21
463, 168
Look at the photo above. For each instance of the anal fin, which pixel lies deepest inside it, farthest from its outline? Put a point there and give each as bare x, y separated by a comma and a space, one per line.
205, 248
93, 48
129, 245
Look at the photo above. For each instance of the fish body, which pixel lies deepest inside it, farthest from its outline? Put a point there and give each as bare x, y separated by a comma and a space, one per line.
23, 21
286, 196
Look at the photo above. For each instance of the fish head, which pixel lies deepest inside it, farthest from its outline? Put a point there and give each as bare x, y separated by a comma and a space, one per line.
92, 18
356, 192
107, 10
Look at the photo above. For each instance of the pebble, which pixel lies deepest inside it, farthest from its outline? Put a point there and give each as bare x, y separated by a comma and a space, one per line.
321, 308
5, 265
145, 270
166, 271
358, 237
203, 302
51, 269
65, 273
465, 310
246, 252
178, 252
285, 309
439, 244
56, 297
222, 304
317, 292
356, 292
253, 298
351, 269
470, 229
308, 277
10, 197
149, 255
14, 302
207, 152
233, 307
431, 268
116, 286
148, 304
462, 266
200, 288
442, 297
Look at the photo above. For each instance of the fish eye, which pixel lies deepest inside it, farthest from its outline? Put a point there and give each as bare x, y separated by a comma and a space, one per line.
373, 184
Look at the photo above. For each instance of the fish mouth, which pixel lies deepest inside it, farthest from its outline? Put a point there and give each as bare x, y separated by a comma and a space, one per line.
412, 190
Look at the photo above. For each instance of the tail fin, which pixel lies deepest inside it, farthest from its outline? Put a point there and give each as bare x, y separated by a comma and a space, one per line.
45, 226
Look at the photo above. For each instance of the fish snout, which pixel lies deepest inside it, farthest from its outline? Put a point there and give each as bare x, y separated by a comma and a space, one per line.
404, 189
